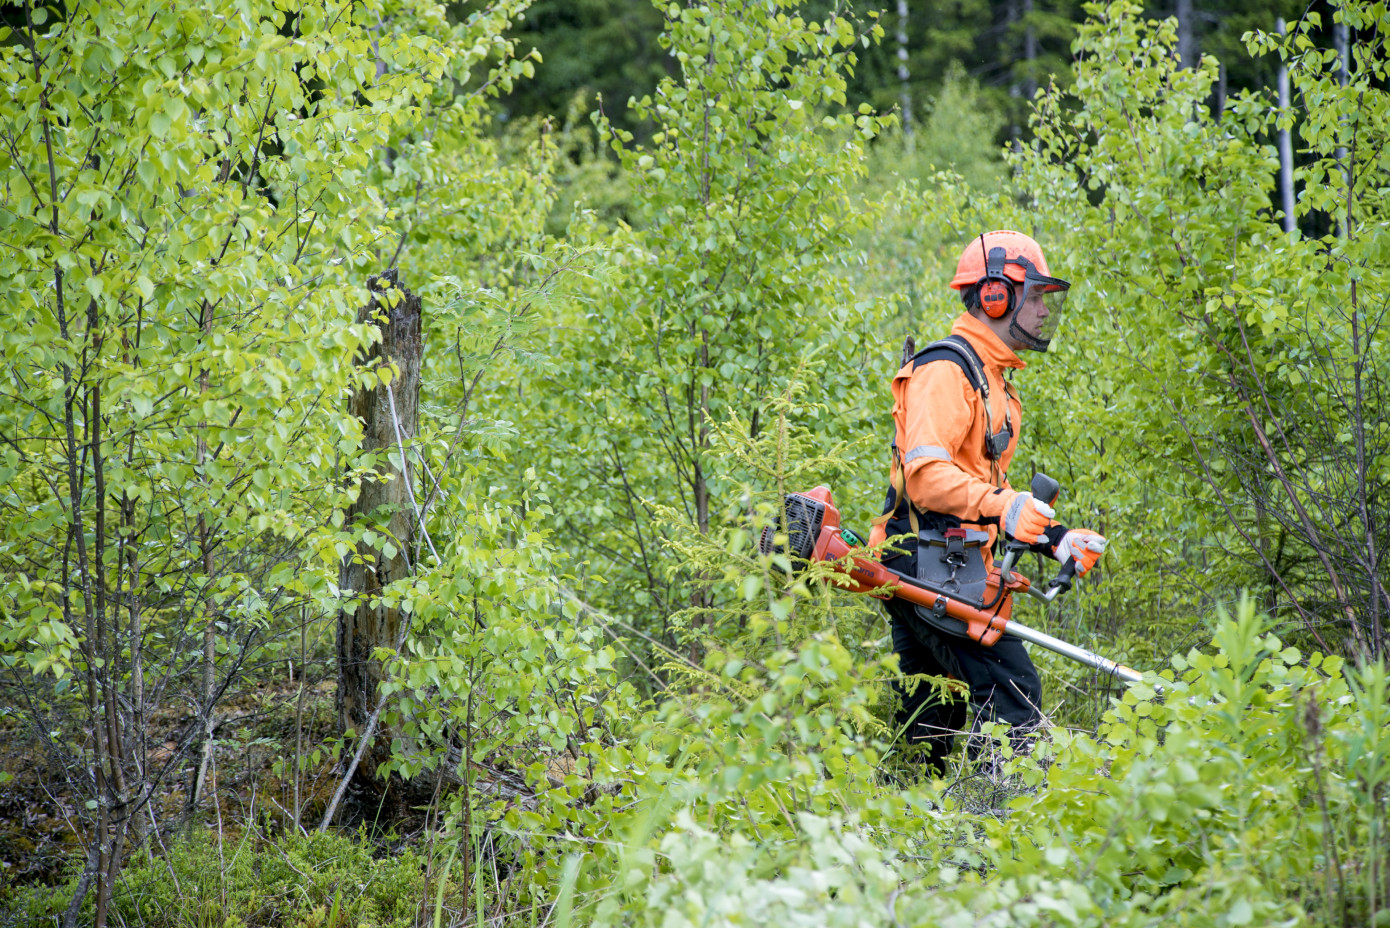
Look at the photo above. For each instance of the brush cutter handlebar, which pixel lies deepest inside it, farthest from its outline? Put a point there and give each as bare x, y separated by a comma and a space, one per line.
1057, 586
1046, 489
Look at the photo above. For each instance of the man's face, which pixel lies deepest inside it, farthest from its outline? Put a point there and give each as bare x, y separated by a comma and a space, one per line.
1032, 313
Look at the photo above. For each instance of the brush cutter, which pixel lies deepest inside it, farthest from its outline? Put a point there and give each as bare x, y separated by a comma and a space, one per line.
969, 601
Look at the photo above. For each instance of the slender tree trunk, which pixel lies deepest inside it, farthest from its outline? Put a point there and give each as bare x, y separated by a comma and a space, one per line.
1285, 145
128, 586
1187, 46
1015, 89
366, 624
76, 525
299, 711
904, 87
1030, 51
209, 681
1220, 90
109, 641
700, 444
1341, 41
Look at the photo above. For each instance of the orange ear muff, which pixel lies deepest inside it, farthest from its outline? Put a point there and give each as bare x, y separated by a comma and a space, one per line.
995, 297
996, 293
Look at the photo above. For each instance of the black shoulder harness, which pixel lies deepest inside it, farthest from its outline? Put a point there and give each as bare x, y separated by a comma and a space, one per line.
958, 350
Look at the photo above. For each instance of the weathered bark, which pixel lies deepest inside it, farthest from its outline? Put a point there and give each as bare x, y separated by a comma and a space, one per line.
388, 424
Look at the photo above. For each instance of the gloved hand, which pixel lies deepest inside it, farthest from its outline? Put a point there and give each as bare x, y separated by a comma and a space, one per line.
1026, 518
1084, 545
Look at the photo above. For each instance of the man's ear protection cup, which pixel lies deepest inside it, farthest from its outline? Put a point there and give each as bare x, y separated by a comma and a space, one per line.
996, 298
996, 290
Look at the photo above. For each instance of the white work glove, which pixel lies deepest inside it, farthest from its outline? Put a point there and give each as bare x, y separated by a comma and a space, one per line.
1084, 545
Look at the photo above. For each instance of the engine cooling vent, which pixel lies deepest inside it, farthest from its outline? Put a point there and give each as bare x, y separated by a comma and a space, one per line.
804, 519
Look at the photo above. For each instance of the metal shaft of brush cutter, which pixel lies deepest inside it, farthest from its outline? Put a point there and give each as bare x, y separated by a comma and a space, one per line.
1080, 655
1057, 645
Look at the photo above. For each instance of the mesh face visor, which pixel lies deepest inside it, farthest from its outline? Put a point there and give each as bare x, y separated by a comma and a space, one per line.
1040, 310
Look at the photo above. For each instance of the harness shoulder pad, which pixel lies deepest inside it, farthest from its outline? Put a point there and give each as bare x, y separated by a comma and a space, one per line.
957, 350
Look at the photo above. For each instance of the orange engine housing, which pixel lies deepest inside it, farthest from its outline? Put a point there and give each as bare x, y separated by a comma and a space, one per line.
866, 575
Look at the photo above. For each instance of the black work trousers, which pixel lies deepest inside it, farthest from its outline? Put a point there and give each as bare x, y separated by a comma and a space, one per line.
1004, 685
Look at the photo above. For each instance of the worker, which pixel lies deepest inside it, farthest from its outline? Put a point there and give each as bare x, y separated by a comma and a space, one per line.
957, 420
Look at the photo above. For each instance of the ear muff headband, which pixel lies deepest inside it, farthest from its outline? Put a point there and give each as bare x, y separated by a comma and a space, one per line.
996, 290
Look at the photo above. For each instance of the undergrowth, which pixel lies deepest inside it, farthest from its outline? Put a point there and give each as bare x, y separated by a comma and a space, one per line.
1246, 786
313, 881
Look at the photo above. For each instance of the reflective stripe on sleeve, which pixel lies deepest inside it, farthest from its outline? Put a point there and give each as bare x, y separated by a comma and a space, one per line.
926, 451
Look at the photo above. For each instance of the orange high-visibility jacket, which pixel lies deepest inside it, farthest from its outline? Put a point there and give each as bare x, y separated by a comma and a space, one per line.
939, 426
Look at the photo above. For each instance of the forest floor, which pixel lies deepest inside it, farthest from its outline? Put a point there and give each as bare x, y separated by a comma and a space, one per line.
251, 778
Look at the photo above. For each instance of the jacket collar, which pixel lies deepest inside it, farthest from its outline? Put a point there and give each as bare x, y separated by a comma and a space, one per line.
993, 353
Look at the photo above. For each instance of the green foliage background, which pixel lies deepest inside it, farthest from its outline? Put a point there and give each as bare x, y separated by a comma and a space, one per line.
631, 358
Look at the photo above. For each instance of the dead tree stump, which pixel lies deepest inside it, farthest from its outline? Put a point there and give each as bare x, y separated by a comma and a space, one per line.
389, 422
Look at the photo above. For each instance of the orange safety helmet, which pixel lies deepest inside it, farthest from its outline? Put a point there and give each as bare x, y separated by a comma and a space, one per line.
971, 267
993, 261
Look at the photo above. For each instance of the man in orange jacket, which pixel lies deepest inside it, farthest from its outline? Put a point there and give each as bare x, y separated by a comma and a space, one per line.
956, 422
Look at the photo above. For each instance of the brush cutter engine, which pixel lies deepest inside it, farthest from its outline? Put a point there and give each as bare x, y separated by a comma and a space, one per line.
805, 516
955, 592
